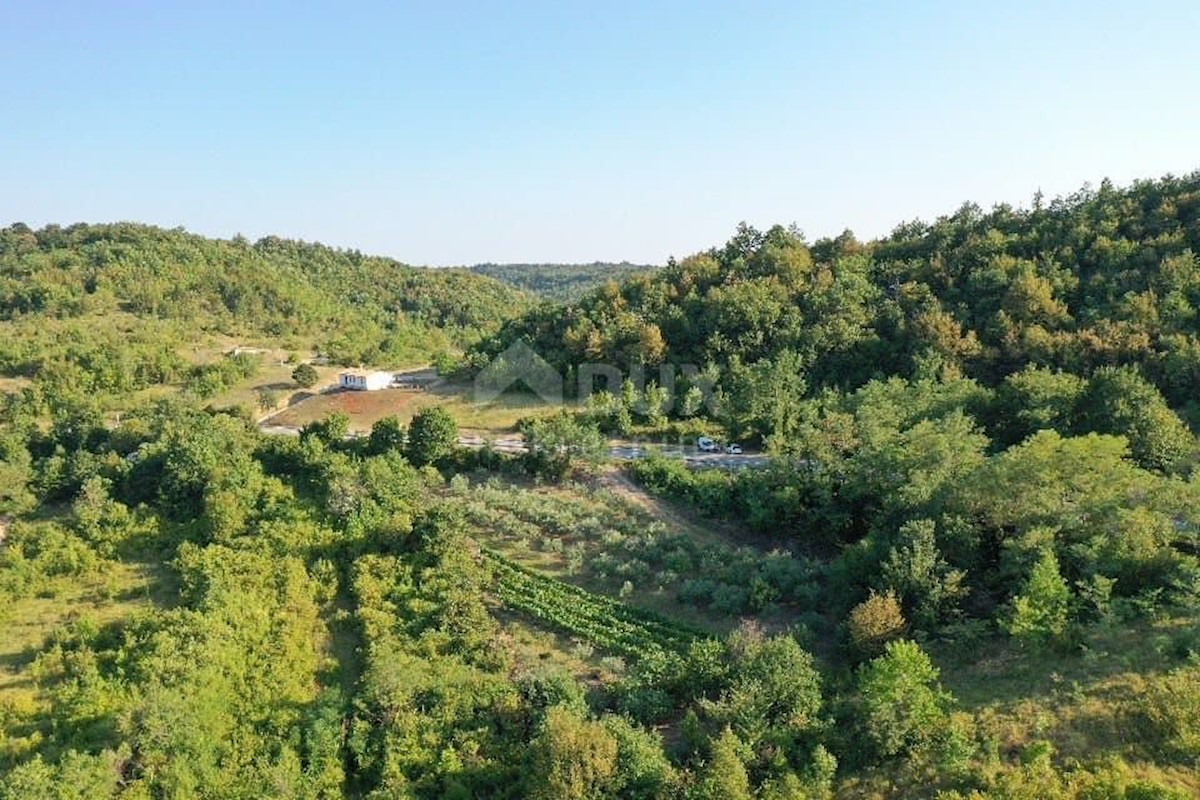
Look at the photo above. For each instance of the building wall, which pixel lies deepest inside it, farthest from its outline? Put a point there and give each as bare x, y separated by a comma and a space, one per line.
378, 380
370, 382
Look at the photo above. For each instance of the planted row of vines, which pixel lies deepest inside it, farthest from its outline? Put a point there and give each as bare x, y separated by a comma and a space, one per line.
606, 623
613, 543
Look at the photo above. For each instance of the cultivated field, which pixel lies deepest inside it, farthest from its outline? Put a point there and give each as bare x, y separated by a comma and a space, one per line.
365, 408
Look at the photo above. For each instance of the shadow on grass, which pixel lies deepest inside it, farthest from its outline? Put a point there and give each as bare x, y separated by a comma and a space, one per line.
17, 660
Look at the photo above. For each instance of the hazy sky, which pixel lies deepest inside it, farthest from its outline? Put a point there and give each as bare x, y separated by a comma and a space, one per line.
449, 133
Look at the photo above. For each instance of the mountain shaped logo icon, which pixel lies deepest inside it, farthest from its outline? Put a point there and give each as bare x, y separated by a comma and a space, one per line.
519, 364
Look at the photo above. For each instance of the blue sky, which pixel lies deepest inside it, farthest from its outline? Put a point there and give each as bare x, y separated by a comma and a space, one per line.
451, 133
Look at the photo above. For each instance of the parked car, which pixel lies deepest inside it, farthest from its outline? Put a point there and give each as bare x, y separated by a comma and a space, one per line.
733, 448
707, 445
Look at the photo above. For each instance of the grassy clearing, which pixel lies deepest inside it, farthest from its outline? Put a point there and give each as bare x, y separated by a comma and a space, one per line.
493, 418
1084, 701
598, 541
277, 378
1081, 706
531, 647
496, 416
13, 385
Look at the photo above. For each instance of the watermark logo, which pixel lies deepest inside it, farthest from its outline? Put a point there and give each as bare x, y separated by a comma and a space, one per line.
519, 364
683, 388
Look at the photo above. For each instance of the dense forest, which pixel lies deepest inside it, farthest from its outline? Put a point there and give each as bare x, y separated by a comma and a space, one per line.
1106, 277
561, 282
970, 568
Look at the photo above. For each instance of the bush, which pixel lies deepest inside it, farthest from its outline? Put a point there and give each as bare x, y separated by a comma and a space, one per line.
731, 600
874, 622
572, 759
1171, 711
903, 707
1040, 612
548, 687
305, 375
432, 436
724, 776
697, 592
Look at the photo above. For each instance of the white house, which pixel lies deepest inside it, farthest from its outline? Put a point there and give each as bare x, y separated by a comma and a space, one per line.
364, 381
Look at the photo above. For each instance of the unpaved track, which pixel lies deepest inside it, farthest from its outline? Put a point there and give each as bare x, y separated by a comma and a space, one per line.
724, 532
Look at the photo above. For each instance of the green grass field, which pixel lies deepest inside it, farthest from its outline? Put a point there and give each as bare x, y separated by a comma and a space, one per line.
492, 417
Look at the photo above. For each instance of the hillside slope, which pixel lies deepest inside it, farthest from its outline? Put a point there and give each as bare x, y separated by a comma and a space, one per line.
116, 307
1107, 276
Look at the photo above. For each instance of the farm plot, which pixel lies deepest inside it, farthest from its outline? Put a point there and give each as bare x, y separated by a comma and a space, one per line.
605, 622
601, 543
363, 408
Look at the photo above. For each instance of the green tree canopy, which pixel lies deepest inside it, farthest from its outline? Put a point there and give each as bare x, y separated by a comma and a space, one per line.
432, 436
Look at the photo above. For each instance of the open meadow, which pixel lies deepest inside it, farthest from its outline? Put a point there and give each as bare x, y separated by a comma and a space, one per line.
493, 417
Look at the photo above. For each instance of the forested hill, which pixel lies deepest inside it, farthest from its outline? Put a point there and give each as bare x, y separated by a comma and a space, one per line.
561, 281
1106, 276
276, 284
125, 298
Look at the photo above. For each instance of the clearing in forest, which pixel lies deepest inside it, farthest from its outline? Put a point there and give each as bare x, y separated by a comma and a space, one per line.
363, 408
491, 418
600, 542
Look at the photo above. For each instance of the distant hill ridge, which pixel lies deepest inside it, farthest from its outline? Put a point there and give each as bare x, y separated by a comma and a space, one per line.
562, 281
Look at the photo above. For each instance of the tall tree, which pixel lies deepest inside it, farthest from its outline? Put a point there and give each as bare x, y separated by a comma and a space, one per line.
432, 436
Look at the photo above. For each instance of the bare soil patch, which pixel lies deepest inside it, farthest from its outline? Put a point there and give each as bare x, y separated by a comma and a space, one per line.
363, 408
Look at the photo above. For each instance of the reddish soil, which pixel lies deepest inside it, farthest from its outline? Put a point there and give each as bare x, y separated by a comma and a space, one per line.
364, 408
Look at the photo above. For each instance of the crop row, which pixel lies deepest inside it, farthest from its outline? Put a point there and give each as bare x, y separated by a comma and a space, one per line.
606, 623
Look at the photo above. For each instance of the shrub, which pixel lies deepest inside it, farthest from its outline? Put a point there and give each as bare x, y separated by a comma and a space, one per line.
697, 592
1171, 710
432, 436
305, 375
724, 777
762, 594
572, 759
643, 770
1040, 612
731, 600
903, 707
874, 622
548, 687
915, 569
